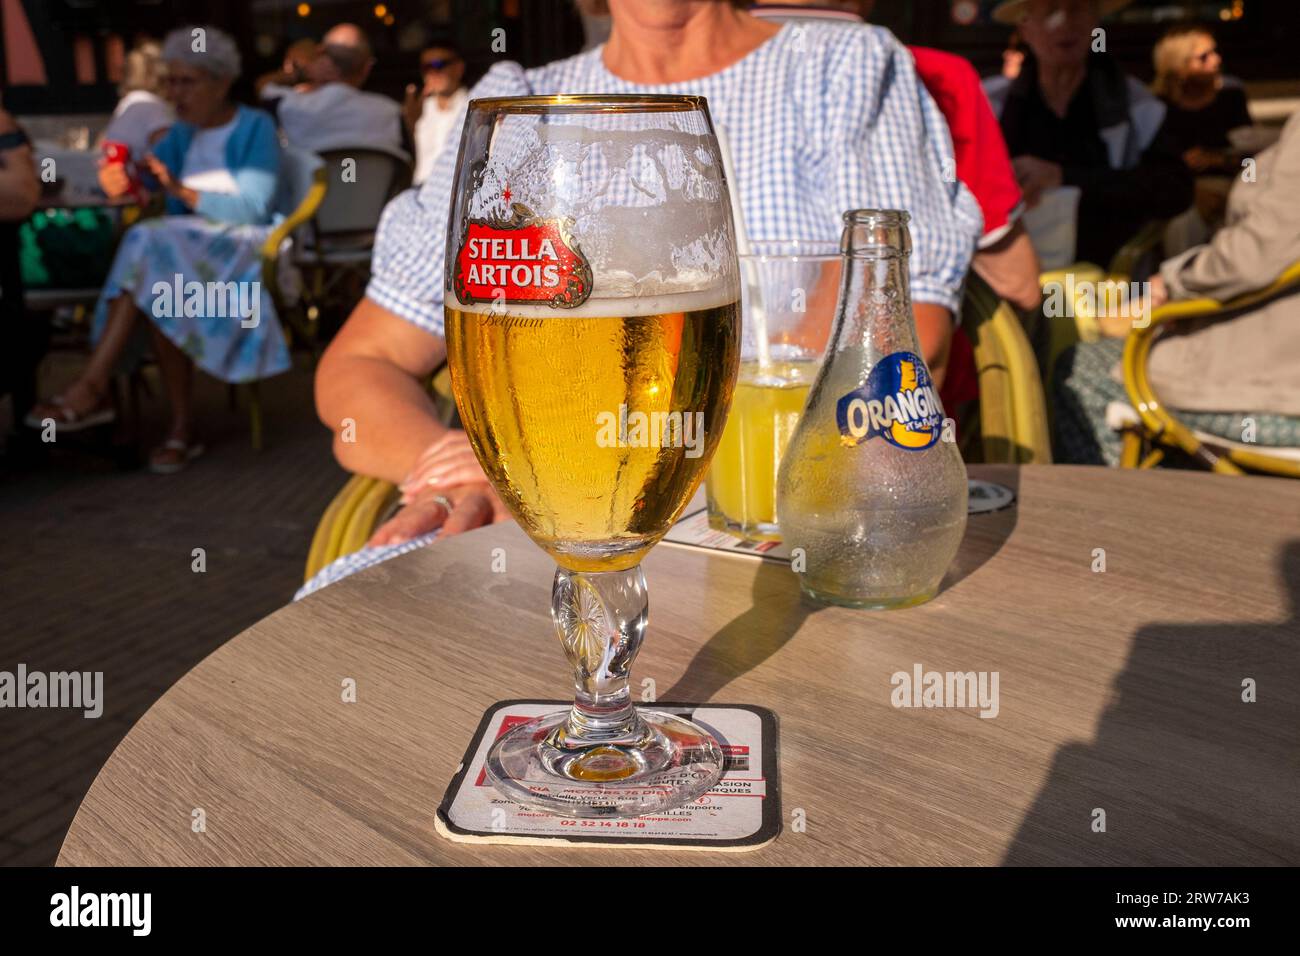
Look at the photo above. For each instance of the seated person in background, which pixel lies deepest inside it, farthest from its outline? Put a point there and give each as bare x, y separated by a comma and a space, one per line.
333, 112
292, 75
1201, 110
842, 113
1214, 372
1072, 117
219, 167
431, 110
142, 116
1201, 107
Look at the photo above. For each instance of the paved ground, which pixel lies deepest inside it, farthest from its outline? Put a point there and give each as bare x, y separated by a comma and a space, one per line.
95, 575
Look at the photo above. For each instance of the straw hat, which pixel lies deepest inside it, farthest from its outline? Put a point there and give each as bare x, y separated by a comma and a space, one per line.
1011, 12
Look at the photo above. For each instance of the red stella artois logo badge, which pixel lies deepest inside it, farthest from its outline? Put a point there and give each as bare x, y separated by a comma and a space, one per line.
521, 260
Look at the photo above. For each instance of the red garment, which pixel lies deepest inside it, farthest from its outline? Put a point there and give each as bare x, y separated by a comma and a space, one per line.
983, 163
961, 384
984, 167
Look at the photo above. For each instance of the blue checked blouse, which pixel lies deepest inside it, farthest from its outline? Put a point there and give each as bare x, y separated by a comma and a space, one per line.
821, 118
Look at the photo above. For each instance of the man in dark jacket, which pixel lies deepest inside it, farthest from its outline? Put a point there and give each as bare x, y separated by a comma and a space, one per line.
1074, 118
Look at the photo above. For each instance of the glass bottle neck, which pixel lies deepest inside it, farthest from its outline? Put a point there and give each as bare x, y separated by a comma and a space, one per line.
875, 305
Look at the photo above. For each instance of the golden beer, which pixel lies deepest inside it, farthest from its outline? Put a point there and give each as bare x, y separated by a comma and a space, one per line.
595, 429
742, 481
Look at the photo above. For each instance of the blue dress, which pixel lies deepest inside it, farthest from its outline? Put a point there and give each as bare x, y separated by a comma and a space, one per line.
197, 275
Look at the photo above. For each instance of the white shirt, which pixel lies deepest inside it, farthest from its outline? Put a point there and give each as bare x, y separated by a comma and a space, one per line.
338, 116
433, 128
138, 116
205, 169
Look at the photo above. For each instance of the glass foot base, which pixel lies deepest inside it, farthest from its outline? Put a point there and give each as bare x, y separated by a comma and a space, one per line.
670, 763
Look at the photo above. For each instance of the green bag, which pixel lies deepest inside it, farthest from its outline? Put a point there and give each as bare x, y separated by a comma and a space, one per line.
66, 248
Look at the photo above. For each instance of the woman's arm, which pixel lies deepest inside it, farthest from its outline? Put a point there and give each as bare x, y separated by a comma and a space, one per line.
374, 371
370, 392
1010, 266
1251, 252
890, 148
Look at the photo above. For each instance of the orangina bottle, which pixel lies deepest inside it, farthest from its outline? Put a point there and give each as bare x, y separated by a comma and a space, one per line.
872, 489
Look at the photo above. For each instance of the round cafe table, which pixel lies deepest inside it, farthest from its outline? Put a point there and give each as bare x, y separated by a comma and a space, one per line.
1144, 627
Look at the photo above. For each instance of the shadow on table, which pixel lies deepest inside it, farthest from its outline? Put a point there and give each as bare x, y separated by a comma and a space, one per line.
776, 615
1186, 771
985, 533
779, 609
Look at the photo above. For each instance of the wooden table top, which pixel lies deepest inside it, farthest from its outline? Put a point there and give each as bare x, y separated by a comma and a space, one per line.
1120, 690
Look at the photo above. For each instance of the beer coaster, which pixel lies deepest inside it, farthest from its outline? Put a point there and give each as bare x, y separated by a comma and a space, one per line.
743, 812
983, 497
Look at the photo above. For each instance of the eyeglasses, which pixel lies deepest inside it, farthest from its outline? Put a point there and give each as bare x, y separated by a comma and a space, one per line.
439, 63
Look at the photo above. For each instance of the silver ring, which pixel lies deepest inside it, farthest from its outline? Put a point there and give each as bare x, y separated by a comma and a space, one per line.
444, 501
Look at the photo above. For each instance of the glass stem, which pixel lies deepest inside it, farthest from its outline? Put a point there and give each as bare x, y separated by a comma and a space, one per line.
601, 619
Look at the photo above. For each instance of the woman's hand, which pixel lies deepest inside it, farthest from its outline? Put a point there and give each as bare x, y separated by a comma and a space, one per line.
448, 462
471, 507
412, 105
161, 173
114, 180
1036, 176
446, 473
169, 184
1199, 160
1159, 292
1116, 325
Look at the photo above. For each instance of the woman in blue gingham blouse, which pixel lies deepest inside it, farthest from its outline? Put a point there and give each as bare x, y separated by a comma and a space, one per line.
823, 117
820, 118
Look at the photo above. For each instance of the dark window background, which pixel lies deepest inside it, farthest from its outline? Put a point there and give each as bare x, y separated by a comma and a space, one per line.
1256, 39
536, 31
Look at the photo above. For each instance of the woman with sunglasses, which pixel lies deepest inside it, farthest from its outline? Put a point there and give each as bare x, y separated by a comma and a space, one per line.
1201, 110
432, 109
1201, 107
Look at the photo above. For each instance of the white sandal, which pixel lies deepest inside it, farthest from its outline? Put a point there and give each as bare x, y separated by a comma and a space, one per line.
189, 451
70, 420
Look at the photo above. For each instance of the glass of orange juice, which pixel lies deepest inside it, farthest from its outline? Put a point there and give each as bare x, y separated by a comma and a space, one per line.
788, 294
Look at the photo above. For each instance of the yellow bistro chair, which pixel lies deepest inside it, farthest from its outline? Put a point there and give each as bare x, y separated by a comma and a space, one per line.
305, 178
1158, 427
1085, 278
1012, 408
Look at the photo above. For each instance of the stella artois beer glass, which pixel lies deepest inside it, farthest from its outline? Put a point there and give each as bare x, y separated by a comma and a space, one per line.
593, 333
